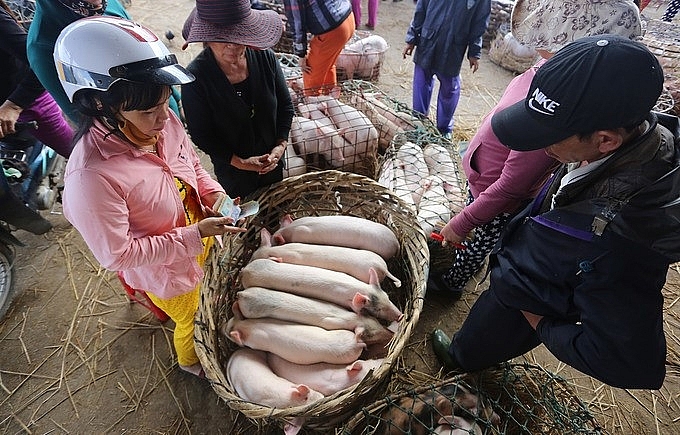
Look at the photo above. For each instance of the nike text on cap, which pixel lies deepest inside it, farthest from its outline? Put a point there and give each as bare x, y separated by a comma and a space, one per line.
595, 83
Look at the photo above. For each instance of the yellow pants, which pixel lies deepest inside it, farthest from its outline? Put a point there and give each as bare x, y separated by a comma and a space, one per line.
324, 50
182, 310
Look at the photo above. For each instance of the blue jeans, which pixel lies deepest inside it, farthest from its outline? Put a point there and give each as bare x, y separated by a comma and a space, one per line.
447, 98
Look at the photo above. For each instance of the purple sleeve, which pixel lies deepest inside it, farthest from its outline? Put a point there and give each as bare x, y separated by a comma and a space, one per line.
522, 174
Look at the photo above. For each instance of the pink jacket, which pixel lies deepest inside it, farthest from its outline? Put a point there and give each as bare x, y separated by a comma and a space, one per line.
501, 180
125, 204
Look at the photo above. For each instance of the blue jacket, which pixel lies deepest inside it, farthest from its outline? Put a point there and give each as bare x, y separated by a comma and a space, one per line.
316, 17
49, 20
442, 30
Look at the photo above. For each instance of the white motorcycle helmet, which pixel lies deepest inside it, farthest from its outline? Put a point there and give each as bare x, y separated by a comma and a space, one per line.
93, 53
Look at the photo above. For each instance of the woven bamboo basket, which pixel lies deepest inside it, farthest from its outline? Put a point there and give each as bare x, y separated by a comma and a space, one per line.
525, 398
502, 53
663, 39
441, 257
666, 103
313, 194
499, 18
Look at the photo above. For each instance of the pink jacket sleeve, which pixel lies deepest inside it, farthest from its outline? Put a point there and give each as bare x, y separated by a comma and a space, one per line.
106, 227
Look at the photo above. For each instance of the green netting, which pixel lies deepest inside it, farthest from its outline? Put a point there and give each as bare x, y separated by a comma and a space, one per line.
511, 399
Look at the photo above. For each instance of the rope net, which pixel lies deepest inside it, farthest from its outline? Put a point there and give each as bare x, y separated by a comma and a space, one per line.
511, 399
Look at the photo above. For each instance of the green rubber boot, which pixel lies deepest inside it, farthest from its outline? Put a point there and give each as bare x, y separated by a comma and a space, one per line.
440, 345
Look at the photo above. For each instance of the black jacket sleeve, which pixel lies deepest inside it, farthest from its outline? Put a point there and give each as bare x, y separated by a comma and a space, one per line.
20, 85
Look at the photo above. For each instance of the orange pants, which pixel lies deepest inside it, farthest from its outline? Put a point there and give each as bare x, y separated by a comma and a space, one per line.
323, 51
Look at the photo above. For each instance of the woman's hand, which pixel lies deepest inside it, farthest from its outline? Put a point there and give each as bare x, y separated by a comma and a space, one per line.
212, 199
302, 61
275, 155
9, 113
261, 164
451, 236
218, 225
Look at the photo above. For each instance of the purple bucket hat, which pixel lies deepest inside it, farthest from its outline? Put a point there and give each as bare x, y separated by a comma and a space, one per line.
232, 21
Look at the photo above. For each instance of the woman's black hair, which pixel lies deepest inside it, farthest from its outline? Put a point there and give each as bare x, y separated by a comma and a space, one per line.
122, 95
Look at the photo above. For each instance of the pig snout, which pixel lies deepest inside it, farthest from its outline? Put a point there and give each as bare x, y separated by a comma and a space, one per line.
371, 331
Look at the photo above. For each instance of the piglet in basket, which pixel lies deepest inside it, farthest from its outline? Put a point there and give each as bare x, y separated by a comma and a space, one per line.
253, 380
339, 230
324, 284
355, 262
257, 302
298, 343
326, 378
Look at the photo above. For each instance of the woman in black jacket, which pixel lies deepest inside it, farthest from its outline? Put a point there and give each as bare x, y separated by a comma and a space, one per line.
23, 97
239, 109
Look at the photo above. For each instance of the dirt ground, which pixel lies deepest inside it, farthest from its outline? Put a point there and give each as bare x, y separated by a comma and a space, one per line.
77, 357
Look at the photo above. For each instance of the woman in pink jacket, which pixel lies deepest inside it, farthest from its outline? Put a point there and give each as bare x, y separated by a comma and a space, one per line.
134, 186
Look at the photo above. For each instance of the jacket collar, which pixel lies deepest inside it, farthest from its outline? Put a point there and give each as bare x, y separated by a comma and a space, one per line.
110, 144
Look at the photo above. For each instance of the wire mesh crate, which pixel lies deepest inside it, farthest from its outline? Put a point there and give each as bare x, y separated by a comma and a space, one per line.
362, 57
512, 399
424, 170
387, 114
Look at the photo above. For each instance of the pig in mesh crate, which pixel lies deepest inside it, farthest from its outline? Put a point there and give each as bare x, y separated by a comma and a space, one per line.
513, 399
351, 150
388, 115
313, 194
424, 170
360, 61
329, 133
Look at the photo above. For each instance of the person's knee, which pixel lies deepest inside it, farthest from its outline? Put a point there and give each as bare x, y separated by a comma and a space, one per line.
640, 376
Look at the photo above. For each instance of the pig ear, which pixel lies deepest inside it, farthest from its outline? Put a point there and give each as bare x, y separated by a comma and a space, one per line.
373, 278
236, 309
265, 237
301, 392
447, 420
359, 302
355, 367
286, 220
279, 240
322, 106
235, 336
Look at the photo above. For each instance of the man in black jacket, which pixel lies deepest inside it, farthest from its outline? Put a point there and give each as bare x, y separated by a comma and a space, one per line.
582, 268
